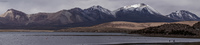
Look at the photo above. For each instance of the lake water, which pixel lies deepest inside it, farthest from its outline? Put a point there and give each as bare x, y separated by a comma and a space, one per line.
69, 38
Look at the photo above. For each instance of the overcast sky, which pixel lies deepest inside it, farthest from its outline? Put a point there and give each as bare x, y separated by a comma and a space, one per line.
34, 6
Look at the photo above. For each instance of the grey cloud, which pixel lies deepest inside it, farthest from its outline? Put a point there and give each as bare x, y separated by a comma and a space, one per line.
35, 6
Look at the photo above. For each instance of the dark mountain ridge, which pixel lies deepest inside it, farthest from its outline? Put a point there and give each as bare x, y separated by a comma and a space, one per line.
77, 17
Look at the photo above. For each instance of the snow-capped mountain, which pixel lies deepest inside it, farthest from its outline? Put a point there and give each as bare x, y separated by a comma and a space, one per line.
139, 7
99, 13
183, 15
140, 13
99, 8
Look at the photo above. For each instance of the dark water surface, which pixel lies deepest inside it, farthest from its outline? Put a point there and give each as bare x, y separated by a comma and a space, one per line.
69, 38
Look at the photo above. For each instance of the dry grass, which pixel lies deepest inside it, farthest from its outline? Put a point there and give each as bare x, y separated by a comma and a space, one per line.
137, 26
121, 26
95, 29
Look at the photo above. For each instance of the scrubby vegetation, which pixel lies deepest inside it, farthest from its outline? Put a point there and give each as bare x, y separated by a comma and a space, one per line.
197, 26
170, 29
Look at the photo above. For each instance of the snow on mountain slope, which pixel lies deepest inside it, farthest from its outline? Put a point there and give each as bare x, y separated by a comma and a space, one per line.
100, 9
140, 13
138, 7
183, 15
98, 13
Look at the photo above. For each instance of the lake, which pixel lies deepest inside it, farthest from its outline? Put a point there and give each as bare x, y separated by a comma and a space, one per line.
77, 38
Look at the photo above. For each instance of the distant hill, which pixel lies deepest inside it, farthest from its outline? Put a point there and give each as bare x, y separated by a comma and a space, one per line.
136, 26
197, 26
171, 29
122, 26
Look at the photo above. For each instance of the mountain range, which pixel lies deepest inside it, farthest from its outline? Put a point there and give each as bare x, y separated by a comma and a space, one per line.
77, 17
140, 13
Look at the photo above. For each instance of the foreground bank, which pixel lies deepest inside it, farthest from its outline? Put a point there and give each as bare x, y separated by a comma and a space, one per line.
178, 29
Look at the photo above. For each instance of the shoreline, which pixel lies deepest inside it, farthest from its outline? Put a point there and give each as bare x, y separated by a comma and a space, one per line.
171, 36
166, 43
22, 30
150, 35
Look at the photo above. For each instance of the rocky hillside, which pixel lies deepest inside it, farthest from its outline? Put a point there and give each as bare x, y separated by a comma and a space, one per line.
59, 18
197, 26
170, 29
14, 17
75, 17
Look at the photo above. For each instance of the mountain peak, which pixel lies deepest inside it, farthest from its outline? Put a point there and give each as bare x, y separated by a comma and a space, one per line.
10, 9
183, 15
13, 10
99, 8
76, 8
136, 5
141, 7
182, 11
73, 9
96, 7
15, 15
